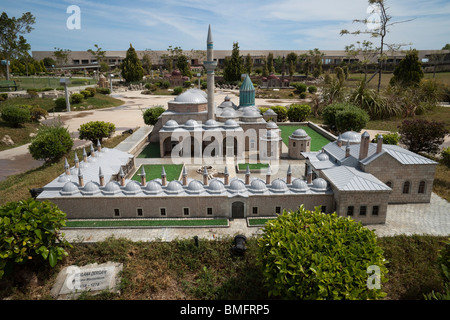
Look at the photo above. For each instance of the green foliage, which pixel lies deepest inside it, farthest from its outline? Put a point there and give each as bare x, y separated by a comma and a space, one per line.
85, 93
298, 112
96, 130
329, 114
103, 90
151, 115
92, 91
51, 143
187, 84
204, 85
177, 90
443, 261
422, 136
131, 66
300, 87
183, 65
372, 101
281, 112
15, 115
389, 138
60, 103
3, 96
445, 154
310, 255
29, 229
37, 113
165, 84
351, 118
312, 89
409, 71
233, 66
76, 98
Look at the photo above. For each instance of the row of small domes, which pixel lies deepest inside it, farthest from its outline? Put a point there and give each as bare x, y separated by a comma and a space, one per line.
195, 186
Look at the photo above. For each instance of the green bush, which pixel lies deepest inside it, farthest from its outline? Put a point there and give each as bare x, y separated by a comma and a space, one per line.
86, 94
281, 112
445, 153
30, 230
203, 85
151, 115
96, 130
422, 136
76, 98
177, 90
299, 87
303, 95
60, 103
351, 119
16, 115
389, 138
51, 143
165, 84
103, 90
329, 114
187, 84
312, 89
37, 113
443, 261
298, 112
3, 96
92, 91
311, 255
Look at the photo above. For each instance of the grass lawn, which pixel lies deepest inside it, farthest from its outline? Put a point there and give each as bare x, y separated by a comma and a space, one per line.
317, 140
153, 171
252, 166
25, 83
258, 222
146, 223
20, 135
150, 151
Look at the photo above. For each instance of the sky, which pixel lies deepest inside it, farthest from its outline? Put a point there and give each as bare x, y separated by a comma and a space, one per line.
254, 24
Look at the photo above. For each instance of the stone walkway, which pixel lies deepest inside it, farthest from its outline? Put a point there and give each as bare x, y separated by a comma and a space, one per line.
432, 219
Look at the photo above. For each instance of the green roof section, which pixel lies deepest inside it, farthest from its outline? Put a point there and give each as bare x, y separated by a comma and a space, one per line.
247, 93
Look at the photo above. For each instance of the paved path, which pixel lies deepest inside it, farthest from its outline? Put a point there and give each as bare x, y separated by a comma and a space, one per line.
432, 218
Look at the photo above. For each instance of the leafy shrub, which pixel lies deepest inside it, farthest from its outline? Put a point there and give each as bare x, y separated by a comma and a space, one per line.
312, 89
445, 153
76, 98
165, 84
422, 135
177, 90
37, 113
16, 115
30, 230
85, 93
298, 112
187, 84
299, 87
329, 114
389, 138
372, 102
3, 96
103, 90
96, 130
443, 261
51, 143
310, 255
60, 103
203, 85
151, 115
92, 91
351, 119
281, 112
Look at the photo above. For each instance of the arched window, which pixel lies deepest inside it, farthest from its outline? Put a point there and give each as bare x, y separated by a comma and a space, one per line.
421, 187
406, 186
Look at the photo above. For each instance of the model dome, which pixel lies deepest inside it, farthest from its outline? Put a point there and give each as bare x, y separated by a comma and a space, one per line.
299, 185
258, 185
231, 124
270, 135
171, 125
191, 124
132, 187
191, 96
174, 187
228, 113
271, 125
211, 124
64, 177
216, 186
319, 184
90, 188
278, 185
195, 186
69, 188
270, 112
237, 185
153, 187
351, 137
299, 133
322, 156
111, 188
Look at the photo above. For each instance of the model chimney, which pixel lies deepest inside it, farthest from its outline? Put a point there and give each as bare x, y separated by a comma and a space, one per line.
289, 176
66, 167
205, 176
339, 141
77, 161
268, 174
347, 150
80, 178
84, 155
309, 175
226, 176
101, 177
163, 177
184, 176
247, 176
122, 177
364, 147
380, 143
99, 146
143, 178
92, 151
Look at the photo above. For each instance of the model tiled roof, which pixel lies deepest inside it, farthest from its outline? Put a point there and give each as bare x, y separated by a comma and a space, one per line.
350, 179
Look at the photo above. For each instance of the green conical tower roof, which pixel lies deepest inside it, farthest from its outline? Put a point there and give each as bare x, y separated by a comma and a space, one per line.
247, 93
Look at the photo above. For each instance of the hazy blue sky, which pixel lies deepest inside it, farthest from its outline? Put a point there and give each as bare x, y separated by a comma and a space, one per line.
255, 24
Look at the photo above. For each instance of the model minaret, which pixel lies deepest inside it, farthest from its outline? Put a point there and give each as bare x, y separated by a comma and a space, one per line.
210, 66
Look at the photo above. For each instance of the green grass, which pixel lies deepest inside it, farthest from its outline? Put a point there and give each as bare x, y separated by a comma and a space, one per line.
317, 140
146, 223
150, 151
253, 166
258, 222
25, 83
153, 171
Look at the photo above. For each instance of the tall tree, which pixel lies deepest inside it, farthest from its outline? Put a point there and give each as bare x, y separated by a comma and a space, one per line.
377, 28
12, 42
248, 64
291, 60
316, 59
270, 63
233, 67
147, 62
61, 56
131, 66
183, 65
409, 71
100, 56
364, 49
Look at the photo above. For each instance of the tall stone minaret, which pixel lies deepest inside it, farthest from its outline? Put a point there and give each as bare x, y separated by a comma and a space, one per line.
210, 66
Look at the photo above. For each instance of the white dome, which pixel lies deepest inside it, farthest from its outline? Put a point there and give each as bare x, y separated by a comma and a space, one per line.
64, 178
195, 186
319, 184
191, 96
258, 185
170, 125
278, 185
271, 125
133, 187
153, 187
237, 186
322, 156
230, 124
251, 113
216, 186
174, 187
211, 124
111, 188
270, 135
299, 133
199, 91
90, 188
299, 185
191, 124
228, 113
351, 137
270, 112
69, 188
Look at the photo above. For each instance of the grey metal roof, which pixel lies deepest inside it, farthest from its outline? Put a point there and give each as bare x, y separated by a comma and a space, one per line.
350, 179
401, 155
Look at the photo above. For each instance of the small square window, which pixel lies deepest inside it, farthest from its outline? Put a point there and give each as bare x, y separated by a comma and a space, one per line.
255, 210
186, 211
350, 210
278, 210
140, 212
362, 210
209, 211
375, 210
116, 212
162, 211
